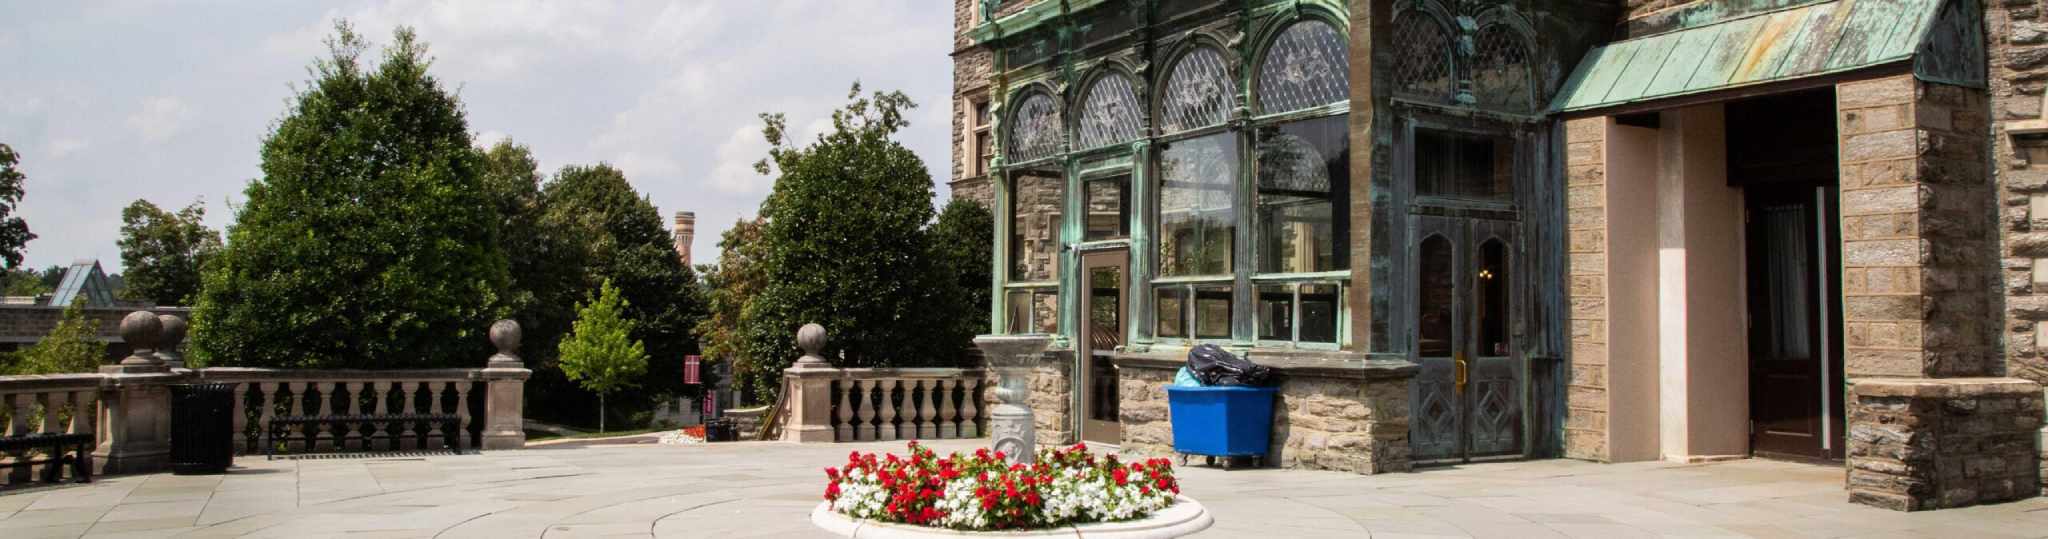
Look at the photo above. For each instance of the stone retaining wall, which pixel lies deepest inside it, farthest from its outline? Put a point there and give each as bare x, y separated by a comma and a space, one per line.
1347, 416
1918, 444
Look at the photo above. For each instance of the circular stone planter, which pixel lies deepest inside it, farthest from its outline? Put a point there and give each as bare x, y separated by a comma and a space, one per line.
1184, 517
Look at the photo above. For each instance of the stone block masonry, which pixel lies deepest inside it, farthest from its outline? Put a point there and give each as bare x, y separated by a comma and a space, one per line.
1919, 444
1585, 434
1349, 416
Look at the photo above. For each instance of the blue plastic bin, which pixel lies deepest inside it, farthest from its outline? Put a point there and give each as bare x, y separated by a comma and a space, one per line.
1223, 421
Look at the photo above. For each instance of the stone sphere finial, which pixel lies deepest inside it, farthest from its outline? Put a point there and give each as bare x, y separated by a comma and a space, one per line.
173, 335
811, 338
505, 335
141, 330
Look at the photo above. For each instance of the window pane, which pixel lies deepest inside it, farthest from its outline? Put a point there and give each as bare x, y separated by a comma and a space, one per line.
1196, 220
1019, 307
1172, 312
983, 143
1463, 165
1197, 94
1304, 171
1305, 67
1109, 113
1035, 227
981, 117
1212, 312
1500, 71
1035, 130
1276, 312
1433, 302
1045, 311
1109, 203
1422, 57
1493, 299
1319, 312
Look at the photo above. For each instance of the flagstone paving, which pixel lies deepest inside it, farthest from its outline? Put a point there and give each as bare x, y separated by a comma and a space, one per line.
761, 489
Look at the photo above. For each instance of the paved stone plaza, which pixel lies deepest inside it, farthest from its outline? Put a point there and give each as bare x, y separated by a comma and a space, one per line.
761, 489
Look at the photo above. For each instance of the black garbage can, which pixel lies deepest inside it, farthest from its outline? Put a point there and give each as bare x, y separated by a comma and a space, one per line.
719, 430
202, 428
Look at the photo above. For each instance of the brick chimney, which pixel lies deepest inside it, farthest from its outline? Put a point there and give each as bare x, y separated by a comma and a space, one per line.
686, 230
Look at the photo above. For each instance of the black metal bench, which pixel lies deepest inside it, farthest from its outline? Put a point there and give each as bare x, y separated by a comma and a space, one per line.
389, 427
58, 449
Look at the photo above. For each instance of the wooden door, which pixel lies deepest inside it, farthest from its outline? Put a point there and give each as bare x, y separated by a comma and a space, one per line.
1790, 289
1104, 300
1467, 400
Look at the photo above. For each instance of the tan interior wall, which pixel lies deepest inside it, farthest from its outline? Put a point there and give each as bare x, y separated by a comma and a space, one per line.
1704, 367
1632, 172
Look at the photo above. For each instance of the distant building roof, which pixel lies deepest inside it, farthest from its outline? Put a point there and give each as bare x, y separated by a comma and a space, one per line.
84, 282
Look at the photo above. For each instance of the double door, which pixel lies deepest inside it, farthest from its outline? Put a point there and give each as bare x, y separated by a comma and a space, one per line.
1467, 402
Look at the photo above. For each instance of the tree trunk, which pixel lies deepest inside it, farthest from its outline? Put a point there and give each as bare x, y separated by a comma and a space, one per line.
600, 412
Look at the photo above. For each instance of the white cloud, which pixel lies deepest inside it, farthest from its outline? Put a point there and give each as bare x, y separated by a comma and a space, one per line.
63, 146
733, 169
160, 118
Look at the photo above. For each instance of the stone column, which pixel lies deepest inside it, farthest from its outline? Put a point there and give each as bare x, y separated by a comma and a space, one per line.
808, 387
134, 418
505, 394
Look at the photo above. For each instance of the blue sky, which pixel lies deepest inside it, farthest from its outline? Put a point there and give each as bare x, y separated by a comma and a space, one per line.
108, 102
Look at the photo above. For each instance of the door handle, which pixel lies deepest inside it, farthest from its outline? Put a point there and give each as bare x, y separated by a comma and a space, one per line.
1460, 374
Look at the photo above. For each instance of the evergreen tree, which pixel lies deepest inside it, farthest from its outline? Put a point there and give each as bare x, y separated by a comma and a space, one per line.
164, 251
600, 353
369, 241
72, 347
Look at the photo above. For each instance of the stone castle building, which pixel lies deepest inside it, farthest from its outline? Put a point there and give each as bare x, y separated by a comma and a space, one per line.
1468, 230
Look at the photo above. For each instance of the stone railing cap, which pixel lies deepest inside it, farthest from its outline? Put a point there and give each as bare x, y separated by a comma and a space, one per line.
253, 373
25, 383
1942, 387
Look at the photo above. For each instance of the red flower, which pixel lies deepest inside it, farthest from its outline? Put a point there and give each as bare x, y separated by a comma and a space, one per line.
832, 491
1120, 476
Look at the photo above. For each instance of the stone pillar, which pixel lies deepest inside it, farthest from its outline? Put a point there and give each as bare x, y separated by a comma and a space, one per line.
808, 391
505, 390
1924, 443
134, 418
1585, 433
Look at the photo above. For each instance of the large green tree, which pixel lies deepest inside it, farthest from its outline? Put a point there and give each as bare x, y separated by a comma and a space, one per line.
600, 353
14, 234
963, 246
846, 245
163, 251
733, 283
546, 274
369, 241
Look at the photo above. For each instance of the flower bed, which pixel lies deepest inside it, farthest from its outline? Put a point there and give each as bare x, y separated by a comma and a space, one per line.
983, 492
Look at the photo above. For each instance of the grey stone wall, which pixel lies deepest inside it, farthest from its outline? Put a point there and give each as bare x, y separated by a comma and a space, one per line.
1917, 444
1319, 423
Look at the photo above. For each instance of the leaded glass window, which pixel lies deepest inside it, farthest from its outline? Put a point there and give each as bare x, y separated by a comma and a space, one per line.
1422, 57
1305, 67
1035, 131
1109, 113
1196, 217
1196, 94
1500, 70
1303, 172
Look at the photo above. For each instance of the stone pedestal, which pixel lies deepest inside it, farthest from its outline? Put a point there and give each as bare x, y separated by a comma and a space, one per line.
134, 422
1010, 425
1919, 443
504, 379
808, 404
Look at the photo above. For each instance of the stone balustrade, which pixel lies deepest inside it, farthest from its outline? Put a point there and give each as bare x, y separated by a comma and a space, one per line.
127, 404
822, 403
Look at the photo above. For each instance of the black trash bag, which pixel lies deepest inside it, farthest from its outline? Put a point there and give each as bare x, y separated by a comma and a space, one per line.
1214, 366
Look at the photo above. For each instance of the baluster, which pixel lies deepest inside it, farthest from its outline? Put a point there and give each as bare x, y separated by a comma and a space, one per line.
53, 410
383, 438
240, 416
947, 429
323, 433
865, 431
968, 427
268, 408
84, 412
887, 429
299, 409
434, 434
18, 425
355, 409
408, 439
845, 422
906, 426
462, 437
927, 412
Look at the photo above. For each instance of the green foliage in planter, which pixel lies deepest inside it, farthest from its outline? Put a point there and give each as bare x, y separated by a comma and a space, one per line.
369, 242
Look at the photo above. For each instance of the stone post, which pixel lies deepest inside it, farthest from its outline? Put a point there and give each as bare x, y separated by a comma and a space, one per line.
808, 387
173, 336
134, 419
505, 381
1010, 425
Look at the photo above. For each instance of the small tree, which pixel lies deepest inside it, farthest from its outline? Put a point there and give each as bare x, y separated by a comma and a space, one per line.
14, 234
600, 352
72, 347
163, 251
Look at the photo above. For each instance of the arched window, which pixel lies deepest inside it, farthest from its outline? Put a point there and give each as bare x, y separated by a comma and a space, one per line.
1422, 57
1109, 112
1501, 76
1196, 93
1304, 67
1035, 129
